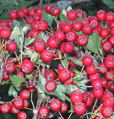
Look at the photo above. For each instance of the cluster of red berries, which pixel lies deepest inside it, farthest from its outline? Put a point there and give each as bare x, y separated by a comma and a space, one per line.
65, 39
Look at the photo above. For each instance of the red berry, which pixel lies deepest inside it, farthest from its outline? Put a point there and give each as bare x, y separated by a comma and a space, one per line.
5, 33
13, 14
97, 92
25, 10
24, 94
18, 103
77, 25
48, 8
14, 110
87, 29
104, 33
46, 55
10, 67
95, 76
107, 111
71, 36
79, 108
22, 115
59, 35
31, 12
91, 69
26, 104
50, 74
102, 68
5, 108
29, 20
55, 11
96, 83
64, 107
39, 45
55, 105
71, 15
76, 96
106, 46
43, 112
52, 42
21, 14
111, 40
81, 40
87, 60
64, 74
27, 66
11, 46
101, 15
79, 13
39, 11
50, 86
109, 16
68, 47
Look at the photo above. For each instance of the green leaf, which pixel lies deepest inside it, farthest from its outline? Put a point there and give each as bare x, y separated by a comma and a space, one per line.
64, 4
12, 91
47, 17
109, 3
1, 8
30, 42
77, 75
62, 17
16, 23
47, 1
75, 61
70, 88
93, 42
41, 35
65, 62
16, 81
59, 92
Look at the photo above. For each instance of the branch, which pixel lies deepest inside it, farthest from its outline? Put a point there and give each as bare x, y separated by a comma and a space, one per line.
54, 3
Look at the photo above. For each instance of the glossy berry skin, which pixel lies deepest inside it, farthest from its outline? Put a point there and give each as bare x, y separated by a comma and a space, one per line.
71, 15
97, 92
25, 10
104, 82
91, 69
55, 105
14, 110
43, 112
18, 103
21, 14
13, 14
77, 25
81, 40
111, 40
29, 20
6, 76
109, 16
39, 45
79, 108
109, 61
71, 36
59, 35
26, 104
5, 33
24, 94
87, 29
55, 11
31, 12
39, 11
64, 107
104, 33
109, 101
37, 17
64, 74
87, 60
20, 74
76, 96
50, 74
79, 13
52, 42
48, 8
106, 94
101, 15
96, 83
107, 111
50, 86
5, 108
66, 26
43, 25
27, 66
68, 47
10, 67
11, 46
22, 115
103, 68
46, 55
95, 76
106, 46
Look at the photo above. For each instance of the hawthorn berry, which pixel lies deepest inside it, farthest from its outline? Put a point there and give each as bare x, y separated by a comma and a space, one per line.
24, 94
22, 115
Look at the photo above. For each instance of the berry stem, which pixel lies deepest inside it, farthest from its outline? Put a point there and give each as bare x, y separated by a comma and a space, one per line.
32, 100
94, 104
